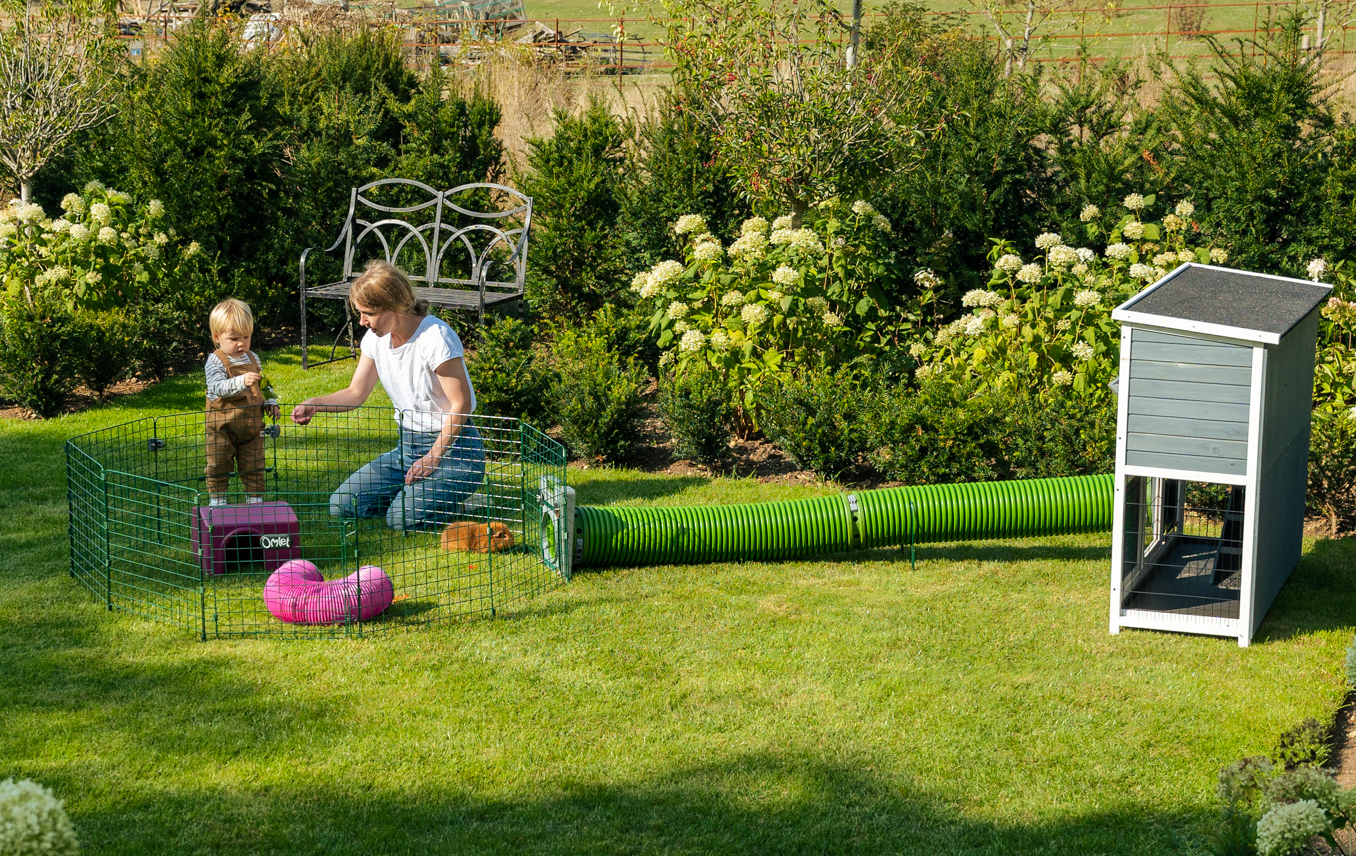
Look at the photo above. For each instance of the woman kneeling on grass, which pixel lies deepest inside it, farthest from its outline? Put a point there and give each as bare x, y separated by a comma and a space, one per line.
418, 359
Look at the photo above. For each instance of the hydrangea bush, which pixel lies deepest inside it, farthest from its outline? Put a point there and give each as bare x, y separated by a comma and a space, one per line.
1046, 318
33, 821
103, 252
777, 298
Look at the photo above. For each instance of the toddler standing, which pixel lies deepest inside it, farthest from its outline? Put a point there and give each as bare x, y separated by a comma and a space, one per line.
235, 405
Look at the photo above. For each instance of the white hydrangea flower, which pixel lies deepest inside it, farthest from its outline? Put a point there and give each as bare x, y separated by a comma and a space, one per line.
1087, 297
649, 289
1010, 320
732, 299
1165, 259
1139, 271
60, 224
118, 197
1173, 223
1159, 273
93, 187
1351, 414
1134, 202
1063, 324
925, 278
753, 226
33, 820
1287, 829
1080, 270
1317, 268
924, 372
27, 212
108, 235
817, 304
1061, 256
806, 240
749, 246
754, 314
917, 350
720, 340
1134, 230
1118, 251
1009, 263
79, 232
194, 248
160, 239
785, 275
775, 296
693, 340
981, 297
1063, 377
943, 336
832, 319
71, 203
1083, 351
1184, 209
1219, 256
1085, 254
689, 223
1030, 274
862, 208
708, 251
665, 272
1089, 212
155, 209
974, 324
8, 230
93, 277
101, 213
782, 223
881, 222
1046, 240
677, 310
780, 237
1186, 256
152, 251
681, 327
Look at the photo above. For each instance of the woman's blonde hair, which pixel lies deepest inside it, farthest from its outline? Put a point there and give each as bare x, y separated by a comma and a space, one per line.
385, 288
231, 316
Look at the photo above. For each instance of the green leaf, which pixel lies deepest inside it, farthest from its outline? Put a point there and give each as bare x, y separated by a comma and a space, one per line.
1150, 200
1151, 232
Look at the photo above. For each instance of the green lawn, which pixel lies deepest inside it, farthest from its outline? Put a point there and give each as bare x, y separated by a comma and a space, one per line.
843, 705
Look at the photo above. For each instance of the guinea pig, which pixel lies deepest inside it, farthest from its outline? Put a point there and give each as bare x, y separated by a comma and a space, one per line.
471, 536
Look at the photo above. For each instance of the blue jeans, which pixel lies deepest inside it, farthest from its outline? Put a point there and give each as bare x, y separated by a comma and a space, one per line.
379, 487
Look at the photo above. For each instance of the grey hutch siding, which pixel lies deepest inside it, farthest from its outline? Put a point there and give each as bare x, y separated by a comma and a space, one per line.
1188, 403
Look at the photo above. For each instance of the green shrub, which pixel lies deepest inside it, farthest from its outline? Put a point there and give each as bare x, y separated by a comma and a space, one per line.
447, 139
38, 345
1058, 433
576, 257
1305, 745
1332, 468
937, 434
819, 418
627, 330
596, 395
508, 378
694, 403
168, 337
104, 348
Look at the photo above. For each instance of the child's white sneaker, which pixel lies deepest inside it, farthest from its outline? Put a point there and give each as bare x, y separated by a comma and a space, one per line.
255, 500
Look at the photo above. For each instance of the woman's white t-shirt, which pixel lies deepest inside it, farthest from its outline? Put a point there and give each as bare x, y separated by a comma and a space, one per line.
406, 373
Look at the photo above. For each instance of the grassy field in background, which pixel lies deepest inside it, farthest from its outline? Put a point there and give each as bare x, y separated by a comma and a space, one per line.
846, 704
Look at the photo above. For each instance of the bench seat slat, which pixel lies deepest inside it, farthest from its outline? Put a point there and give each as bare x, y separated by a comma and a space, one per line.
450, 298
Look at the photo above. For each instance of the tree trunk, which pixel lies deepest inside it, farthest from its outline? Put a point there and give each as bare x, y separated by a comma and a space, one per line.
25, 190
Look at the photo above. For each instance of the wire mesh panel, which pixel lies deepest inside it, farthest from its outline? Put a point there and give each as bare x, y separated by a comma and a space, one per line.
1183, 550
340, 542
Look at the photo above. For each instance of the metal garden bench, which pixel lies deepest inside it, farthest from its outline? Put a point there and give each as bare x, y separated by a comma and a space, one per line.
464, 248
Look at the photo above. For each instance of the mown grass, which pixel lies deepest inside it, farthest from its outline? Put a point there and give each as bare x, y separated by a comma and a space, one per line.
840, 705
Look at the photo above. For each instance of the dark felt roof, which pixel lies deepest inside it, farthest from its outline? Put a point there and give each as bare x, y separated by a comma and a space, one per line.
1233, 299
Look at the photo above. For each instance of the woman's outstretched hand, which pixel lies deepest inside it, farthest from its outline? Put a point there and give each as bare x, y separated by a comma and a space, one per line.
302, 413
423, 468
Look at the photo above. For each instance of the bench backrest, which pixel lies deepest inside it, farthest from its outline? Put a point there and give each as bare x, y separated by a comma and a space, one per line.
472, 237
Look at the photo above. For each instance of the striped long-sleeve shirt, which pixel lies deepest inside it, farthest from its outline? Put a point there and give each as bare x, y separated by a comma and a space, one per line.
220, 385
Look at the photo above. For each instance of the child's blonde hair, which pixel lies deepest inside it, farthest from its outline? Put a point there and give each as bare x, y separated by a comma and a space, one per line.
232, 316
385, 288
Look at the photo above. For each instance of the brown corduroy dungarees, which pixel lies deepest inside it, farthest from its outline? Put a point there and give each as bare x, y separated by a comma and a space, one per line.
234, 426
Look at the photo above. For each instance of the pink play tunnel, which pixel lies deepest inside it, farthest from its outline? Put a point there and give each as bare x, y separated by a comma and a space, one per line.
298, 594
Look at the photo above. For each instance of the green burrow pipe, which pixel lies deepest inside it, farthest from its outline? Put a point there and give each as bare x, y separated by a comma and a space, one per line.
771, 531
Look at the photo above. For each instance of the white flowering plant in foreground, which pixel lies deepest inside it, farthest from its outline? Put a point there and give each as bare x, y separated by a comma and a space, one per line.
104, 251
776, 297
33, 821
1046, 310
1300, 810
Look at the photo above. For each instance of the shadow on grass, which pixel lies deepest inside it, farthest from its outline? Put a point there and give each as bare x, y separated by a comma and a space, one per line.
1320, 594
602, 493
750, 804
